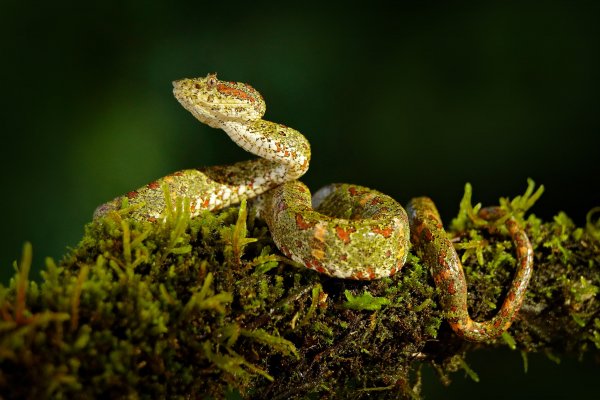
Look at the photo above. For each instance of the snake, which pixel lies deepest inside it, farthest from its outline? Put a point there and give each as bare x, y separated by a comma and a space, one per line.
344, 231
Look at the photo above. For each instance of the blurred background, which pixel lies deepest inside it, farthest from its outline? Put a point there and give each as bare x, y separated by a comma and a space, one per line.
413, 99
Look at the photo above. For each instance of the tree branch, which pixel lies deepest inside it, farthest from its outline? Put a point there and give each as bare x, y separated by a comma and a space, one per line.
194, 307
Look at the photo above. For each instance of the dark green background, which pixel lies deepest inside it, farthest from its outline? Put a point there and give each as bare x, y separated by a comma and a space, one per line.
412, 99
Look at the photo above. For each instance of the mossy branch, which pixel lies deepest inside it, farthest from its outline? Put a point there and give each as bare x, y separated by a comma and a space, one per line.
203, 307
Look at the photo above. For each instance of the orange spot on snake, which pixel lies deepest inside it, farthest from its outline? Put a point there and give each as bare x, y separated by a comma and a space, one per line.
231, 91
371, 273
358, 275
153, 185
367, 274
428, 234
344, 234
385, 232
511, 297
451, 289
375, 201
286, 252
368, 197
316, 265
302, 224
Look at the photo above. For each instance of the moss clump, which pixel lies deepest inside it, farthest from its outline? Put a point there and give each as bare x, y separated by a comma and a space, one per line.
206, 307
139, 309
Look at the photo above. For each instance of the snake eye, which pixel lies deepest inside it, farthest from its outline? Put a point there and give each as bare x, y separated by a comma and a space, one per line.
211, 80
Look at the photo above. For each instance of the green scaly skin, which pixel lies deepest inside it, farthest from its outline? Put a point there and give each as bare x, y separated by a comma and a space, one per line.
352, 232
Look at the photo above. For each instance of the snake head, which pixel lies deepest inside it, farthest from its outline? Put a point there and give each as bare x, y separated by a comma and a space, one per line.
214, 102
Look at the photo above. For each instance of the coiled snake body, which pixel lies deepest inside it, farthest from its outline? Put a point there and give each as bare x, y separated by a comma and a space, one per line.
345, 231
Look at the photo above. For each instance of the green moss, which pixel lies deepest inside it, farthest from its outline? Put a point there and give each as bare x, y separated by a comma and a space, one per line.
364, 301
206, 307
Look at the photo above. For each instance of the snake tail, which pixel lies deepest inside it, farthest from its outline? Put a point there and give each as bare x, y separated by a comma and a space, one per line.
435, 249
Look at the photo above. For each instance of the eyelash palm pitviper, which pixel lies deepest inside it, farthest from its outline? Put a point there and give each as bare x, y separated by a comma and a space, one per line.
344, 230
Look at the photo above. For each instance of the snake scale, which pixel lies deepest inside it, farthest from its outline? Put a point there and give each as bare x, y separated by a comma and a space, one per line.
344, 230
